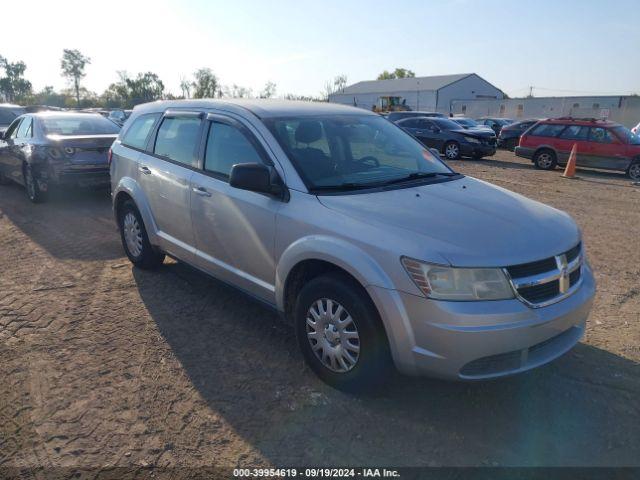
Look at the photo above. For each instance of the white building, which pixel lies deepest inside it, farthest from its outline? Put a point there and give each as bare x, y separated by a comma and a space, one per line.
436, 93
622, 109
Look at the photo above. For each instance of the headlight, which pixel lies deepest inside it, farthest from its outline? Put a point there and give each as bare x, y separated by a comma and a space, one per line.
461, 284
472, 140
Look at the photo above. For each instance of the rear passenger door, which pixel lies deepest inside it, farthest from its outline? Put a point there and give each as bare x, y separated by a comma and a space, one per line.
164, 174
573, 135
234, 229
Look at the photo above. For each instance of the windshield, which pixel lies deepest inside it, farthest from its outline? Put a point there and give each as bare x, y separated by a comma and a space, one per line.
87, 124
467, 122
626, 135
349, 151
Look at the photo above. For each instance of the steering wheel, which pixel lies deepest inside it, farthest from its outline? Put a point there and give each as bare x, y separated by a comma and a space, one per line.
369, 159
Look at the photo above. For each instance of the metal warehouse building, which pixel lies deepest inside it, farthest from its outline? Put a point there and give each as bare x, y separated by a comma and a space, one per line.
436, 93
622, 109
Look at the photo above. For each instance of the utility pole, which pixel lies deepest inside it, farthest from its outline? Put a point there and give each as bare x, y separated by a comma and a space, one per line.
531, 91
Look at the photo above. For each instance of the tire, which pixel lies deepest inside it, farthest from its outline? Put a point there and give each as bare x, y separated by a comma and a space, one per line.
34, 193
451, 150
545, 160
135, 240
367, 361
633, 172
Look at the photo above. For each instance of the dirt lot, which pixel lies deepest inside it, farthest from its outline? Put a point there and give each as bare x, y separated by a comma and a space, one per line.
103, 364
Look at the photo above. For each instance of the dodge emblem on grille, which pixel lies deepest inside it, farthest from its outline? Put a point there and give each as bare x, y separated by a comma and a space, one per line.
563, 282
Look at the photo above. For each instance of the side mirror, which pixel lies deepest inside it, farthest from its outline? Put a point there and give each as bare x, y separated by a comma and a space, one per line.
255, 177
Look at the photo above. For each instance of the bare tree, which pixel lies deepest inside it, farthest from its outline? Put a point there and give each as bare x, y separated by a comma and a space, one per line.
269, 90
185, 86
73, 64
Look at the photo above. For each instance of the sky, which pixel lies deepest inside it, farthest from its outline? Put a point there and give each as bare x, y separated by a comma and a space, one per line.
566, 47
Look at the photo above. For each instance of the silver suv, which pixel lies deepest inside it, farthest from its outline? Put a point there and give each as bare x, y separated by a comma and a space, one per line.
374, 249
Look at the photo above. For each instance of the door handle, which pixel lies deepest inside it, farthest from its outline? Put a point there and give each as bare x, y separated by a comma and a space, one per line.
144, 169
201, 191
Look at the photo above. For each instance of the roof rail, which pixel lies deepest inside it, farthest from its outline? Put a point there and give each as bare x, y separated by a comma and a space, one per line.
587, 119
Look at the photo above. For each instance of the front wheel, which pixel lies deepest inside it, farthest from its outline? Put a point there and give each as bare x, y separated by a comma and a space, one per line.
452, 150
340, 334
135, 240
634, 171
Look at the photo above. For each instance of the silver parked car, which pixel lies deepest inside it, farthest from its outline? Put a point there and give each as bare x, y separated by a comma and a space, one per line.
376, 251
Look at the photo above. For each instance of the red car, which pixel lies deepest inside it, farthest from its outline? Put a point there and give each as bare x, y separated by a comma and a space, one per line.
601, 144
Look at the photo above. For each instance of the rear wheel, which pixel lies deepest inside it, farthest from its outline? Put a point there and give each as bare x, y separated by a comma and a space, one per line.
451, 150
135, 240
340, 333
634, 171
545, 160
35, 194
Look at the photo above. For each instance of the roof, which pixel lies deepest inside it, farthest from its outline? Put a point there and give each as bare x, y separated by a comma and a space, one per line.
432, 83
581, 121
261, 108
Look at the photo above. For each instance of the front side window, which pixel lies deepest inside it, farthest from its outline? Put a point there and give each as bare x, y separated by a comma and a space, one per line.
547, 130
12, 131
600, 135
177, 139
226, 147
136, 136
363, 151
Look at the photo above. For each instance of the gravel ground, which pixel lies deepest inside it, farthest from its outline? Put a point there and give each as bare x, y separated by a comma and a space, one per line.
106, 365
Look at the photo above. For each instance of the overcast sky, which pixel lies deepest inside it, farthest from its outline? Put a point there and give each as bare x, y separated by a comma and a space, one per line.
566, 47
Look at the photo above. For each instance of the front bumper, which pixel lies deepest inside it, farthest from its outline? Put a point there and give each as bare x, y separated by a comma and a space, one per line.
477, 150
480, 340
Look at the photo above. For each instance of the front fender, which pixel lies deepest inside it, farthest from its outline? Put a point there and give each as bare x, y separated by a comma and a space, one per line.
129, 186
337, 251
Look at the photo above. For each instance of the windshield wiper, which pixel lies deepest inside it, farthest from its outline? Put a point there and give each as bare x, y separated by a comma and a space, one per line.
418, 175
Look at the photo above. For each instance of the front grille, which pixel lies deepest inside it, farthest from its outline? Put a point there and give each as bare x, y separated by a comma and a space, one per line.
551, 279
533, 268
540, 293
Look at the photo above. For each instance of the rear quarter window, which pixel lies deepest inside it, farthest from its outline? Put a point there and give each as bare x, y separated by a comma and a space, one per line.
547, 130
138, 133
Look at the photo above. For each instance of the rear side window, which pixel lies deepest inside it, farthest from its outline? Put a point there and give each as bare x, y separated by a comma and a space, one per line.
547, 130
177, 139
136, 136
24, 131
226, 147
575, 132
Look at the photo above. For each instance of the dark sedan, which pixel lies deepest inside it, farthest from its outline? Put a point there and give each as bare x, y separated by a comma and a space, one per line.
47, 149
510, 134
397, 116
450, 138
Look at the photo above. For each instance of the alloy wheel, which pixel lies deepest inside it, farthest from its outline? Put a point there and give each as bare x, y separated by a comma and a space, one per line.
333, 335
451, 152
132, 234
545, 160
634, 171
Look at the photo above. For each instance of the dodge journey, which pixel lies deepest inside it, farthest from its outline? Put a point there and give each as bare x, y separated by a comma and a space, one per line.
377, 252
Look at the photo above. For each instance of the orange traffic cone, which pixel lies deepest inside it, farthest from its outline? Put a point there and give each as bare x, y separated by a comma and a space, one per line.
570, 169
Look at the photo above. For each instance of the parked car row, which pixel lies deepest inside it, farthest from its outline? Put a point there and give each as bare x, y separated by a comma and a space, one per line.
377, 252
599, 144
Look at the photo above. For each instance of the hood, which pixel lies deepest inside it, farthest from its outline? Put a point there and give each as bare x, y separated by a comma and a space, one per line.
468, 222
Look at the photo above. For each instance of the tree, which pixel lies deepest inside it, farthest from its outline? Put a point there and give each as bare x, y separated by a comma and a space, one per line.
236, 91
397, 73
146, 87
185, 86
269, 90
73, 64
332, 86
13, 86
205, 84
